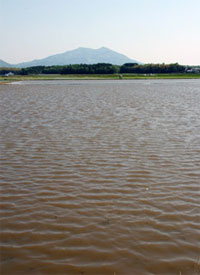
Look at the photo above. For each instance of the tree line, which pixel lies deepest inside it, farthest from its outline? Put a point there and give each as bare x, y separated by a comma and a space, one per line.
152, 68
100, 68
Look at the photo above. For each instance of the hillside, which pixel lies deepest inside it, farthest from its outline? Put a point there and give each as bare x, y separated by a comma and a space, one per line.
78, 56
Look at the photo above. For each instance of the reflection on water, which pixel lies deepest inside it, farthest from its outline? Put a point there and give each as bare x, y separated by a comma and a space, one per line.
100, 177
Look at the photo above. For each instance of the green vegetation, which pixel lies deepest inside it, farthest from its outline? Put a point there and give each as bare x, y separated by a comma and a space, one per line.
100, 71
96, 77
152, 68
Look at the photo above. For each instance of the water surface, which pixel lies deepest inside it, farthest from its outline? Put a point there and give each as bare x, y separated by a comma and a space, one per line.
100, 177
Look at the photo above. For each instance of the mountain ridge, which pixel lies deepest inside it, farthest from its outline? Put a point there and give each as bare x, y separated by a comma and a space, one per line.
4, 64
79, 55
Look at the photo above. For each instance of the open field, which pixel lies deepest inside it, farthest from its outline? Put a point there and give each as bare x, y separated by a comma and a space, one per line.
8, 79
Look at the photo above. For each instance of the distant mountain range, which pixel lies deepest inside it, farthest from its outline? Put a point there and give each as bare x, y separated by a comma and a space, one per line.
77, 56
4, 64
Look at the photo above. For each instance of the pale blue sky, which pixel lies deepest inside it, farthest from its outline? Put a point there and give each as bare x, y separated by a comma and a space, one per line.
150, 31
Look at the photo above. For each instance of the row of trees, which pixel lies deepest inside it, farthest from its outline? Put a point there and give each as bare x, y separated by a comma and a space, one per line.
5, 70
100, 68
152, 68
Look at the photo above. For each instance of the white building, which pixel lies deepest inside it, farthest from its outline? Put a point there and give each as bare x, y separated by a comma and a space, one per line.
9, 74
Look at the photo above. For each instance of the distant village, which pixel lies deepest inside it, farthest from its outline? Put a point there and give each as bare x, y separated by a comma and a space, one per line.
192, 69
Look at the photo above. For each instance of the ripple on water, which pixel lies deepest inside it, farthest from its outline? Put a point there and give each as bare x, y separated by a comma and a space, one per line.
100, 177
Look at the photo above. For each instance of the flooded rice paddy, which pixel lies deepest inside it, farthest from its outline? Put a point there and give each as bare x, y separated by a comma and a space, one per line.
100, 177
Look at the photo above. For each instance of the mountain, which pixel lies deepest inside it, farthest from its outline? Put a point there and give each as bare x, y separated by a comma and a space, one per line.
80, 56
4, 64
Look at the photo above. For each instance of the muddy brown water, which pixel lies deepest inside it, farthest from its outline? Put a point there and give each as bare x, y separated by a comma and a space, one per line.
100, 177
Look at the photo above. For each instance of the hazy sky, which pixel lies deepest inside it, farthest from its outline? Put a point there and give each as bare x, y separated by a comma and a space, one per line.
150, 31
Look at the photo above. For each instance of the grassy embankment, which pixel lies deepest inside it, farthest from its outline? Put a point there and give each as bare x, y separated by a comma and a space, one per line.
9, 79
